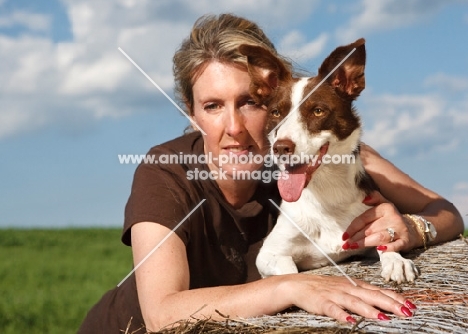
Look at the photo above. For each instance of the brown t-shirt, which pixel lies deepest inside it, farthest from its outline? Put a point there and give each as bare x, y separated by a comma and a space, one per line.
218, 238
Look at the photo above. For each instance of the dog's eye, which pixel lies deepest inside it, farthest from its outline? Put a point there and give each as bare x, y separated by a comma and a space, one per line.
275, 113
319, 112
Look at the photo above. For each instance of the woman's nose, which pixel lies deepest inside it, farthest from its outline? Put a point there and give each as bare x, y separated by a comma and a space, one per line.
234, 122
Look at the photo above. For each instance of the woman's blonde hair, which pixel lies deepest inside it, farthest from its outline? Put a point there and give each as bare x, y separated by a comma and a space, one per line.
214, 38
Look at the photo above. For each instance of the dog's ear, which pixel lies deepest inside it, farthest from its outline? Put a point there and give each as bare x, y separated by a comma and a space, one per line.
265, 69
348, 79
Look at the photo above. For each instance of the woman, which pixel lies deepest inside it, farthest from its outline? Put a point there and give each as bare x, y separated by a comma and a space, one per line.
207, 265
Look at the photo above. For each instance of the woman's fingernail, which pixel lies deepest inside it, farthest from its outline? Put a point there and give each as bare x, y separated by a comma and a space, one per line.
406, 311
345, 236
367, 198
354, 245
382, 248
345, 246
382, 316
350, 319
410, 305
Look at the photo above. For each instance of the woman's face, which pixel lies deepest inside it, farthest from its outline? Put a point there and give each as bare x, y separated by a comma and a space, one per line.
234, 124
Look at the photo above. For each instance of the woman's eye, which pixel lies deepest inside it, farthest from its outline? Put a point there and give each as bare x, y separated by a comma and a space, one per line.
319, 112
275, 113
211, 106
250, 105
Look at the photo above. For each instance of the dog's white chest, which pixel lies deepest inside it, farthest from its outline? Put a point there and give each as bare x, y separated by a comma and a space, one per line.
304, 232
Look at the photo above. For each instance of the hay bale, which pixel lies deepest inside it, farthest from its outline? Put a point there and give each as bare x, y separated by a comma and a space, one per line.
440, 293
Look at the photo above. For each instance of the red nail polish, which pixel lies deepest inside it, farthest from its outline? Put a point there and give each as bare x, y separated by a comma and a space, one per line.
406, 311
345, 246
382, 248
345, 236
354, 245
410, 305
350, 319
382, 316
367, 198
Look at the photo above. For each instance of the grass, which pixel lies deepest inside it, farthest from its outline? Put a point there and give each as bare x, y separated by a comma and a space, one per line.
49, 279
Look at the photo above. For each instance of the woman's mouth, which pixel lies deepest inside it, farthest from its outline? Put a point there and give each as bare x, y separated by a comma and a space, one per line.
238, 149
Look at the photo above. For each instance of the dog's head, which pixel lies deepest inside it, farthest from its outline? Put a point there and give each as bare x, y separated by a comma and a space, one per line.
308, 117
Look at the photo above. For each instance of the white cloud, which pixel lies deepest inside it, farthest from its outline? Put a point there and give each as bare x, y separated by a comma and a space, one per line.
295, 46
45, 82
414, 124
447, 82
265, 12
32, 21
373, 16
12, 119
461, 187
29, 61
104, 74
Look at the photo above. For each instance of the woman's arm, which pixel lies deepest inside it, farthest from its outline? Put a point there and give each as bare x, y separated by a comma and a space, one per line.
163, 282
407, 196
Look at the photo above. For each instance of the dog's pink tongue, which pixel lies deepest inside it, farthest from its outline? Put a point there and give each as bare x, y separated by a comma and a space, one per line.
291, 185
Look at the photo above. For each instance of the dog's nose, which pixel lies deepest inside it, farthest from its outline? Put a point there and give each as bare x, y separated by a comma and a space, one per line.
283, 146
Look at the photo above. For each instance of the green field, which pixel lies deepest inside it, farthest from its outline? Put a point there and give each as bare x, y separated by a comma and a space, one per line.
50, 278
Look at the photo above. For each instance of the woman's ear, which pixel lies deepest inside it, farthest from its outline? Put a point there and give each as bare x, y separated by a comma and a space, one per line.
191, 114
193, 124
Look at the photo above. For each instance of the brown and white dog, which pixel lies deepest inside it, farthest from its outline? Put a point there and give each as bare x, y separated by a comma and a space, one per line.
321, 198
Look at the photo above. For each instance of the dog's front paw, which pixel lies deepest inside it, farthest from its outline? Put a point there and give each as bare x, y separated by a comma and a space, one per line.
396, 268
269, 264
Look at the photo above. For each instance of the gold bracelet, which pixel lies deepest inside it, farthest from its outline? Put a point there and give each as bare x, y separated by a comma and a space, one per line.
421, 229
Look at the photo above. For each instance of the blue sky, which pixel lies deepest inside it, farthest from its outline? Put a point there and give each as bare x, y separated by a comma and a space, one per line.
70, 102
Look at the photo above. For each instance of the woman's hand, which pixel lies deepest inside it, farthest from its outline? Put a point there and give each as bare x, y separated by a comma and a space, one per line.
408, 196
374, 227
335, 296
